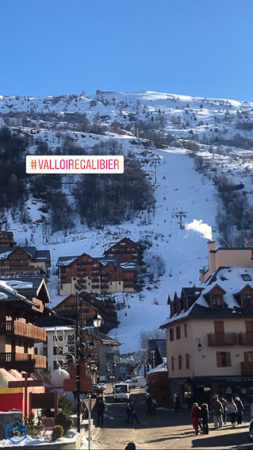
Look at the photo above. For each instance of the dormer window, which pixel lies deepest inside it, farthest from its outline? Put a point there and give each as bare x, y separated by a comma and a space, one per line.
216, 301
246, 277
247, 301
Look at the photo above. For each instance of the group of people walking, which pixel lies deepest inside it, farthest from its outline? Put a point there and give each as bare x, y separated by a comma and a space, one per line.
222, 410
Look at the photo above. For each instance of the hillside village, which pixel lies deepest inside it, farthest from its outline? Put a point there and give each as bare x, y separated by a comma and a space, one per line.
156, 279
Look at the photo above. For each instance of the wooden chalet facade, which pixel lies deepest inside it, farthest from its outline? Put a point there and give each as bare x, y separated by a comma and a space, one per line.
89, 307
6, 239
125, 250
99, 276
18, 313
24, 260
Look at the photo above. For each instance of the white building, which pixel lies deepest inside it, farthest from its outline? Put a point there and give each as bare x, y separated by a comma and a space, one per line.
60, 342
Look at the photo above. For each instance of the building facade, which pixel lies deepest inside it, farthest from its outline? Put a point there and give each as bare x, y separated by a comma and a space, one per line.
209, 336
6, 239
99, 276
24, 260
89, 307
18, 332
225, 257
125, 250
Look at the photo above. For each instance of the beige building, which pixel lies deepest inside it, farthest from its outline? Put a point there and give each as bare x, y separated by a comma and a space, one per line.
209, 336
225, 257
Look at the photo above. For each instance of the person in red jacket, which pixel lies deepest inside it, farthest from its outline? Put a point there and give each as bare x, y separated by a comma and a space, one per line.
196, 416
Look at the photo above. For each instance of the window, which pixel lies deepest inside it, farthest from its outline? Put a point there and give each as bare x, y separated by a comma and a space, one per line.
216, 301
58, 351
172, 363
178, 332
248, 357
57, 338
246, 277
171, 334
70, 339
223, 359
185, 330
247, 301
180, 360
187, 361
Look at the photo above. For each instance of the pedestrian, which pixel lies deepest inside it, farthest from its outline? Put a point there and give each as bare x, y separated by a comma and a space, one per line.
232, 411
149, 403
240, 409
130, 446
133, 413
224, 403
154, 406
100, 407
204, 418
196, 416
217, 410
176, 401
128, 411
251, 410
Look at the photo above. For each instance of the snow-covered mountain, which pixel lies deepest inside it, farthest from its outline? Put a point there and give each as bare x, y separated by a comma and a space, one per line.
183, 143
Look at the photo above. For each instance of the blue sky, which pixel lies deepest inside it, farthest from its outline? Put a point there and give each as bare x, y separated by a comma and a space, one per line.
194, 47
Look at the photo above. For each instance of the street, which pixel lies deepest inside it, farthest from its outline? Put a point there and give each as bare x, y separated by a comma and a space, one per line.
165, 430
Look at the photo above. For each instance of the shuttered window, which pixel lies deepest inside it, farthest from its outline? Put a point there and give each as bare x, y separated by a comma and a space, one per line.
223, 359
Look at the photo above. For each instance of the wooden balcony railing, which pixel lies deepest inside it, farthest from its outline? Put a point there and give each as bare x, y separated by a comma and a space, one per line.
245, 339
247, 368
217, 339
23, 329
22, 361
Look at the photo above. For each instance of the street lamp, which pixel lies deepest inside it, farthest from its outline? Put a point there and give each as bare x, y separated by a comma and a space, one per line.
79, 353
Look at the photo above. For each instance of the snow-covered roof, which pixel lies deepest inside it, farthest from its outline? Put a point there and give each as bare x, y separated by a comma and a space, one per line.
66, 260
160, 368
231, 280
58, 328
8, 293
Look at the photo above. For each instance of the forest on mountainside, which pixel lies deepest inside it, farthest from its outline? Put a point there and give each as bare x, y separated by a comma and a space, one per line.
96, 199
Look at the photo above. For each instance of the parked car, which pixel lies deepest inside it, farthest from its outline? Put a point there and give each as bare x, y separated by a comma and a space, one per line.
137, 382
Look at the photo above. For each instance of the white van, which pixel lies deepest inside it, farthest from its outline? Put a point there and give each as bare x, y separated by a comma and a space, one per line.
137, 382
121, 391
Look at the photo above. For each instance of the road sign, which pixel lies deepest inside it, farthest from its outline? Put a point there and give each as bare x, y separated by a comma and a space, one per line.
89, 403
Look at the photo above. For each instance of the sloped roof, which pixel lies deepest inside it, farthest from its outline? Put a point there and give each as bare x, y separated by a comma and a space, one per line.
128, 241
28, 286
231, 281
102, 337
8, 294
36, 255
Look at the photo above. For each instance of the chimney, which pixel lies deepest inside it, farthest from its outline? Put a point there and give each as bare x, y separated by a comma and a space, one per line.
211, 256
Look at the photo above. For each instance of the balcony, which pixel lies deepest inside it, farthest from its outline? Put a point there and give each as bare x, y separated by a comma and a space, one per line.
22, 361
245, 339
220, 339
23, 329
247, 368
